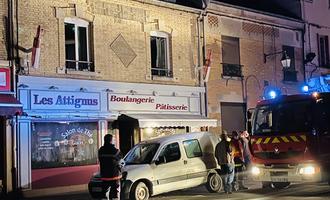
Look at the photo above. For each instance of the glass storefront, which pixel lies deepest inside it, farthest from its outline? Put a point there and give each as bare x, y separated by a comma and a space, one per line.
61, 144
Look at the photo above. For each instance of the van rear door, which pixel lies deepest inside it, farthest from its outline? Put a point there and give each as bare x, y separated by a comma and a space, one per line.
194, 164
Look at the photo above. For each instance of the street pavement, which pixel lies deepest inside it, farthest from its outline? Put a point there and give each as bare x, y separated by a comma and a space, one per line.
255, 192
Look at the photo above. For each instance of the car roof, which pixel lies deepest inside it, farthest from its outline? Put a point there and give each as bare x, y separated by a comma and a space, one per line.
178, 137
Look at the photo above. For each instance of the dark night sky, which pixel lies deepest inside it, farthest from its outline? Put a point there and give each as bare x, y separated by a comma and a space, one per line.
289, 8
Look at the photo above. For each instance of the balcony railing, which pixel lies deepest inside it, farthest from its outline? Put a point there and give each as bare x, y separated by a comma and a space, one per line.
76, 65
231, 70
161, 72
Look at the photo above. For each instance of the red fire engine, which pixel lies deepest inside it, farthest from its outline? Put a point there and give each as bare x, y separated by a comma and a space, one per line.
290, 140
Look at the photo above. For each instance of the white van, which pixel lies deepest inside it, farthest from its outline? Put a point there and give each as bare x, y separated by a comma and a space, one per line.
171, 163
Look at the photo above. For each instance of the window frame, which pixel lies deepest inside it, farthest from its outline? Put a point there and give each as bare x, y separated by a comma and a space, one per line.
168, 66
231, 69
290, 71
85, 24
324, 61
199, 148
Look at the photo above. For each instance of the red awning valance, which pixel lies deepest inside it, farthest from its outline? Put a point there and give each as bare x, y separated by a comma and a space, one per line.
9, 105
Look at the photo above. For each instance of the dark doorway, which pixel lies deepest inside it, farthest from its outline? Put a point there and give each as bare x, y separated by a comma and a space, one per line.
128, 129
233, 116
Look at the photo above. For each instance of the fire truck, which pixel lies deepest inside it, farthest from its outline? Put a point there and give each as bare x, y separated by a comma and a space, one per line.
290, 140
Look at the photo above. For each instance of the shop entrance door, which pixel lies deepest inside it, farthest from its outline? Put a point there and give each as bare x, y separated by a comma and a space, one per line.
233, 116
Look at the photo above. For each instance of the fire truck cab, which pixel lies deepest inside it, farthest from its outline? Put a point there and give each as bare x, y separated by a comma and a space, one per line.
290, 140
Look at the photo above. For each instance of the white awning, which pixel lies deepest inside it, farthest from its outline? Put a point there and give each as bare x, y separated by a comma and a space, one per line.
172, 120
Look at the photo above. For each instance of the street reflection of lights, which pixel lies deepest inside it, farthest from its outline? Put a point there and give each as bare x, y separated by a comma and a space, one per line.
255, 170
149, 131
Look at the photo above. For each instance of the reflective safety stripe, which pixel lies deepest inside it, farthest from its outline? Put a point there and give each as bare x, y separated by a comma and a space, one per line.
275, 140
294, 138
303, 137
285, 139
266, 140
279, 139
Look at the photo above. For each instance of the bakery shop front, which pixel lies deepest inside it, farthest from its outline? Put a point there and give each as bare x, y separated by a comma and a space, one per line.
143, 117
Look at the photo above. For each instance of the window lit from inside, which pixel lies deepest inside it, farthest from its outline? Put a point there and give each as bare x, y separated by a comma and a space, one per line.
77, 57
159, 45
324, 60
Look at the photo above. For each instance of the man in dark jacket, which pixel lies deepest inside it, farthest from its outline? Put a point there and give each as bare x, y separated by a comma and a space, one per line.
223, 153
109, 157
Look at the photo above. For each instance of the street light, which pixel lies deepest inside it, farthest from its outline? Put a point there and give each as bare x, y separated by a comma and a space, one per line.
285, 60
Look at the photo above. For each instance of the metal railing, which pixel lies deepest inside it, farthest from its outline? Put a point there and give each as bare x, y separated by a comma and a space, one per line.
232, 70
161, 72
77, 65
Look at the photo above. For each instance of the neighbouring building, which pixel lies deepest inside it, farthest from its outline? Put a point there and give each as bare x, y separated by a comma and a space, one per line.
317, 57
9, 106
247, 40
129, 68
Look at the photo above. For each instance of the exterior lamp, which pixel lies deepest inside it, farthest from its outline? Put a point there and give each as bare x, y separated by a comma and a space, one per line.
285, 60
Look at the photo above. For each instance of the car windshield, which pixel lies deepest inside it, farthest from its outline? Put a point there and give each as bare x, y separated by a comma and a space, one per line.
283, 118
142, 153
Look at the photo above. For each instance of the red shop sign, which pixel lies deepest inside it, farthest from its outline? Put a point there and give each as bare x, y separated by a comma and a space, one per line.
4, 79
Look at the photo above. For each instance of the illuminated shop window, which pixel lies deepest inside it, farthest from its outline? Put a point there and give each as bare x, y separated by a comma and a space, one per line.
63, 144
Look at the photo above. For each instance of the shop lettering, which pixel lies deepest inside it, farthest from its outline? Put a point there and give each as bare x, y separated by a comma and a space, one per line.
85, 131
128, 99
65, 100
170, 107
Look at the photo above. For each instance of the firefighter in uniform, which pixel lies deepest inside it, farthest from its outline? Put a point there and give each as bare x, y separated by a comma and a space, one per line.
237, 146
110, 169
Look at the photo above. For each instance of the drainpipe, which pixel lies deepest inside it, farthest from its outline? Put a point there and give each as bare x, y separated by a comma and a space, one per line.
199, 67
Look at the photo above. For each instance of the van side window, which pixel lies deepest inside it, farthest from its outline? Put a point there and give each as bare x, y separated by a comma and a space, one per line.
192, 148
171, 152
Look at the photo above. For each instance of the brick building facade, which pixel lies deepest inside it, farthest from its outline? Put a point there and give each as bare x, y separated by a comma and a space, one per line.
240, 74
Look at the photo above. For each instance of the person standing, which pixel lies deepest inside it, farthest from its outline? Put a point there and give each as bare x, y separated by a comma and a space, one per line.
110, 170
223, 154
246, 149
237, 147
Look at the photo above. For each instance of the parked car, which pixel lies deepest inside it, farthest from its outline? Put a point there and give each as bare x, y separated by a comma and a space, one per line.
171, 163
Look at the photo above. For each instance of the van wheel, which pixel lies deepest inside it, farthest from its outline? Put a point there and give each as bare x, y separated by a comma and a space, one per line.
281, 185
139, 191
214, 183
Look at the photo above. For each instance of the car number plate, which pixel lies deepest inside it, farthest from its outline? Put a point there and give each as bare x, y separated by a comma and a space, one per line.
96, 189
279, 179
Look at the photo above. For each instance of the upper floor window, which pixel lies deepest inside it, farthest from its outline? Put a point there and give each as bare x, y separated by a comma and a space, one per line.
160, 56
77, 47
290, 73
231, 57
323, 42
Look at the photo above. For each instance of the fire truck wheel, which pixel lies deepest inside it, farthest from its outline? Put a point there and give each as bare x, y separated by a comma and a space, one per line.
281, 185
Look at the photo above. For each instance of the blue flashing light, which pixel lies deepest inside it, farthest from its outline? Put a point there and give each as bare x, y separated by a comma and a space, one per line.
272, 94
305, 88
